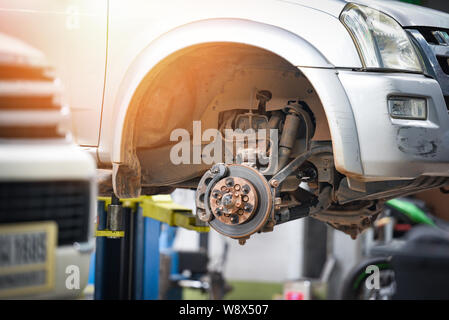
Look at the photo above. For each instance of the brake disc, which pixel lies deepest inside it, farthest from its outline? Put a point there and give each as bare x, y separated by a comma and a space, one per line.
235, 199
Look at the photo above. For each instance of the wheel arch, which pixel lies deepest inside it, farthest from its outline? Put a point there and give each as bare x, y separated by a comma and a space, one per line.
151, 61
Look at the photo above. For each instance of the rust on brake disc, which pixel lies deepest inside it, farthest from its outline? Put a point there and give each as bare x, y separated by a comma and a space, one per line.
233, 200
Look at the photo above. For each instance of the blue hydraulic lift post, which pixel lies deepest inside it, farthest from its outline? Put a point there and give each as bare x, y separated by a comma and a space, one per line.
151, 259
99, 251
128, 262
139, 245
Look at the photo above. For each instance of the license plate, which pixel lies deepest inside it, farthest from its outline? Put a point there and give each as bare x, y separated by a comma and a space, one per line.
27, 258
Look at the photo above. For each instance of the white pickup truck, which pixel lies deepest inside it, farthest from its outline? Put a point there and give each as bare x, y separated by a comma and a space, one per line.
358, 92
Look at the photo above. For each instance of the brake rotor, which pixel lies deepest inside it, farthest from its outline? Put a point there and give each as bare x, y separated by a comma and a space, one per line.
240, 203
233, 200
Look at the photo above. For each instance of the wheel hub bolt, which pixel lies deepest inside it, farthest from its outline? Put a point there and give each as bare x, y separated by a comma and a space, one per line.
246, 189
234, 200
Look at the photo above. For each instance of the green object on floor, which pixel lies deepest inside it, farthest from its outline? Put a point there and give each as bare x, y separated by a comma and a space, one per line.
412, 1
242, 290
411, 210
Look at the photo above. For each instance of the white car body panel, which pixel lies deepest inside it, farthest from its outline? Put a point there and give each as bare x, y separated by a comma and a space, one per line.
415, 147
72, 35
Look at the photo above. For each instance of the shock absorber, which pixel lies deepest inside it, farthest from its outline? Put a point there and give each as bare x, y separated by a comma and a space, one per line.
288, 137
295, 115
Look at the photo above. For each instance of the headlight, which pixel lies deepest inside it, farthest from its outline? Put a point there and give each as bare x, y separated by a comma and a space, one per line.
381, 41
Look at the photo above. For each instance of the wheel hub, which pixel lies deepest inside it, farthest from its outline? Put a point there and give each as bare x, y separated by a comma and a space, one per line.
234, 200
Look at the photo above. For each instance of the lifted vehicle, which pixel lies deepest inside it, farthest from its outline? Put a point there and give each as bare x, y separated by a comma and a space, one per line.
357, 91
47, 184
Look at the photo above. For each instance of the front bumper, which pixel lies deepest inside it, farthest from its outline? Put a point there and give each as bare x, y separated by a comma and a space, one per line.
395, 149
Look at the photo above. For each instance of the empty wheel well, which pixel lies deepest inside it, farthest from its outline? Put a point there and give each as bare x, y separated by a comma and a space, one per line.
199, 82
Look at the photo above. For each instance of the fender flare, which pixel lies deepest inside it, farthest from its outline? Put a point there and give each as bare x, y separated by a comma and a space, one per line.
281, 42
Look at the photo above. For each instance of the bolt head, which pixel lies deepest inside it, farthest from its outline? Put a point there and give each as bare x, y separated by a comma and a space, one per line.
274, 183
215, 170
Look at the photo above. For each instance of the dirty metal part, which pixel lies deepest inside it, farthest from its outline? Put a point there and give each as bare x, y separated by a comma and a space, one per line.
126, 179
288, 137
323, 170
352, 218
247, 156
274, 183
150, 191
388, 189
234, 200
307, 174
158, 170
203, 191
247, 143
263, 96
272, 152
237, 187
296, 114
290, 184
321, 203
293, 165
222, 190
114, 219
104, 182
444, 190
280, 203
251, 120
275, 119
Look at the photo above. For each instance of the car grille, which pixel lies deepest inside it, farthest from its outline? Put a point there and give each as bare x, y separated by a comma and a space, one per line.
434, 46
65, 202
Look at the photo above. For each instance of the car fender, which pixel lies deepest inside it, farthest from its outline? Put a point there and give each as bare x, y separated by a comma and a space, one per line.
283, 43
